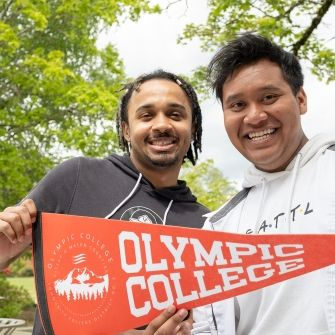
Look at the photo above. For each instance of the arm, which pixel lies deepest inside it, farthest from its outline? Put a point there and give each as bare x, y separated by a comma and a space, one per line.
16, 231
16, 222
169, 322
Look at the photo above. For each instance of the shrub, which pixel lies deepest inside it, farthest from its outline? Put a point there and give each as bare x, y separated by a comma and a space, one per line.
13, 299
22, 266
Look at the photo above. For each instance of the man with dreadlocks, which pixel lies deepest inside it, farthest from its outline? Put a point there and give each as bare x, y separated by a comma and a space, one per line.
159, 126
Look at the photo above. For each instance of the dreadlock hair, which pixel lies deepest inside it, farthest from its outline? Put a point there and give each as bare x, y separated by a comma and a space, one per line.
122, 115
249, 48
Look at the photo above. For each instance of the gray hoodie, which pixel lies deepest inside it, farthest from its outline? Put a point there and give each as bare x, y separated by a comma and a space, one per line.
113, 188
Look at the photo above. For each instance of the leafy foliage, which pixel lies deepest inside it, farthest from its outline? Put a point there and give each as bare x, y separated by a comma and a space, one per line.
13, 299
293, 24
22, 266
208, 184
59, 92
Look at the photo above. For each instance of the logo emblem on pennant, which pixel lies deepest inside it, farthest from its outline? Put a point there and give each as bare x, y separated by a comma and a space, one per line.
81, 283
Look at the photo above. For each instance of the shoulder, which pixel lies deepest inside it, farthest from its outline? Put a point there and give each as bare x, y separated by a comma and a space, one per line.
82, 164
229, 206
216, 218
201, 208
328, 156
66, 169
67, 172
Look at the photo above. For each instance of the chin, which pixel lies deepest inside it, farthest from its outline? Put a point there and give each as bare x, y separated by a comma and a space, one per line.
164, 161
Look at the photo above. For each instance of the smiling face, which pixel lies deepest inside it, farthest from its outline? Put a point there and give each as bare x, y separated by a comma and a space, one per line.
159, 126
262, 115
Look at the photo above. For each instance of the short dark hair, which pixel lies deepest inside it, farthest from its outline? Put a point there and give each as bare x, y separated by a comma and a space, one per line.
249, 48
122, 116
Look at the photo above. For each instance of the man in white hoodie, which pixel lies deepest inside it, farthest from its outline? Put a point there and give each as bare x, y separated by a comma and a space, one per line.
289, 188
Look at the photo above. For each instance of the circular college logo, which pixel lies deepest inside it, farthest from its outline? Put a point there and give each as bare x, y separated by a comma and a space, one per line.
141, 214
80, 268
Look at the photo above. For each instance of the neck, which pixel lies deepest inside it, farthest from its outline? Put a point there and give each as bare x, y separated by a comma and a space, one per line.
159, 177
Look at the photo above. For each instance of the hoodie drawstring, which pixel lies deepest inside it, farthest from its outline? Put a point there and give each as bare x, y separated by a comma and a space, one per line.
166, 211
130, 195
260, 207
126, 198
291, 190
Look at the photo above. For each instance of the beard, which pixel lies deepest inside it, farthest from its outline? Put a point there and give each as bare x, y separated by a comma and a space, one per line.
164, 160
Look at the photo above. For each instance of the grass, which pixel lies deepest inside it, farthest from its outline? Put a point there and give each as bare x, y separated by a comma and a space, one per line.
27, 282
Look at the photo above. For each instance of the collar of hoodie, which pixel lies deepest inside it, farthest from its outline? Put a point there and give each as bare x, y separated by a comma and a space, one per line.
312, 149
174, 194
130, 195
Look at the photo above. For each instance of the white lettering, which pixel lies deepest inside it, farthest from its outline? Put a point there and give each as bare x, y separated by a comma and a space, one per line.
136, 311
130, 236
266, 273
204, 292
150, 266
200, 253
279, 249
240, 249
181, 298
228, 279
175, 252
154, 279
290, 265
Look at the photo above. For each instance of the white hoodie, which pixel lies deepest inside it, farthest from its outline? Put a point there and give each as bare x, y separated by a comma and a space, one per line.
300, 199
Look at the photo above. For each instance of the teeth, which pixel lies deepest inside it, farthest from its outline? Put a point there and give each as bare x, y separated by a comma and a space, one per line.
261, 135
162, 142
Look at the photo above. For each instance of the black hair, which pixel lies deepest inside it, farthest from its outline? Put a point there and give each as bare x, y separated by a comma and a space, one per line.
249, 48
122, 116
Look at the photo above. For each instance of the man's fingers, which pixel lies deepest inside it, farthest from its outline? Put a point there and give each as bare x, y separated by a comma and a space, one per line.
7, 229
190, 316
31, 207
16, 222
169, 322
185, 328
156, 323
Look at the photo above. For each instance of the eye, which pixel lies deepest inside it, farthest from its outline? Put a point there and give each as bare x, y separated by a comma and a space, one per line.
237, 106
145, 116
270, 98
176, 115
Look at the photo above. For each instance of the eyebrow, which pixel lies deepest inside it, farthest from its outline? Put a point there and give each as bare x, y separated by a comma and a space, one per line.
150, 106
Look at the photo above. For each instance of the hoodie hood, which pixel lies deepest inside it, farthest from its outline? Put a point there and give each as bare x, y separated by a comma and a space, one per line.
178, 193
312, 149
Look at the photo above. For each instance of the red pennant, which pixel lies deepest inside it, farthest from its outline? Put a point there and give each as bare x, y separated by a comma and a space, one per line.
102, 276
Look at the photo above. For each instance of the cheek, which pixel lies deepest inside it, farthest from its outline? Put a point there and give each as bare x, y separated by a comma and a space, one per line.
139, 129
185, 130
230, 125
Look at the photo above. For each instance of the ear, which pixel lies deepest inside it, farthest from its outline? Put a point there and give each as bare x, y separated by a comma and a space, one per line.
302, 101
125, 131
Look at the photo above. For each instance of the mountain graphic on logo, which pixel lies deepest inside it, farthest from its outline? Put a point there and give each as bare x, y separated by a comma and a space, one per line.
82, 284
141, 218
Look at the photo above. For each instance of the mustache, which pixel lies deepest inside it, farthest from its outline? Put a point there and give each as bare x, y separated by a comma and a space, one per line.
160, 134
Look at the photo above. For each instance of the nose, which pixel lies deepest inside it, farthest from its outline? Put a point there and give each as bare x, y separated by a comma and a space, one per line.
161, 123
255, 114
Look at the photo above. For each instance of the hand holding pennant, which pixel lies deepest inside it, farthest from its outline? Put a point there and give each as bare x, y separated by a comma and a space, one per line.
97, 276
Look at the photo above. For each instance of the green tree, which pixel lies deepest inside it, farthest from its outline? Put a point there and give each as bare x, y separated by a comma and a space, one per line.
208, 184
58, 91
293, 24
